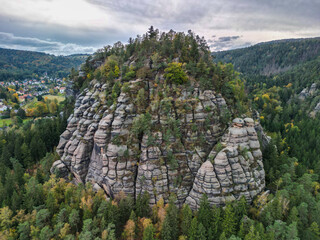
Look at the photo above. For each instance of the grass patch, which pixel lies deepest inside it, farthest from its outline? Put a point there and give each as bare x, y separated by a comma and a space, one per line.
5, 122
8, 121
52, 97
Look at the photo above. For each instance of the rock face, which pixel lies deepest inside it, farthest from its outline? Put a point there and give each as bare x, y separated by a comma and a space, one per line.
236, 171
306, 92
315, 111
174, 148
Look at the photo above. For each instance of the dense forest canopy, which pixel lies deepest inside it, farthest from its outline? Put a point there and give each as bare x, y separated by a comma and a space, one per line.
19, 65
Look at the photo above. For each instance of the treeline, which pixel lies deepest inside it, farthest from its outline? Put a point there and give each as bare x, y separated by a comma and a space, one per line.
19, 65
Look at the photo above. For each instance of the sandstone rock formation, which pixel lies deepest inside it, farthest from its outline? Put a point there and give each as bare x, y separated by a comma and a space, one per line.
307, 92
183, 145
235, 171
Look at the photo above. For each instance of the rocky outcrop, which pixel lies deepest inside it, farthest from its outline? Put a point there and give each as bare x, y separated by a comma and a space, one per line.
236, 171
307, 92
315, 111
166, 143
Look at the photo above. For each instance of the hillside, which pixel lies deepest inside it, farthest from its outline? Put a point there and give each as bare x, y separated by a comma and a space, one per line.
18, 65
273, 57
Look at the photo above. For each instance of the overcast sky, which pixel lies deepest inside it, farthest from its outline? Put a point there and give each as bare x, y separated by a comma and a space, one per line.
65, 27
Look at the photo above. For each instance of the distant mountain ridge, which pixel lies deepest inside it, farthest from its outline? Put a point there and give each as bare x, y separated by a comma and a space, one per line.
272, 57
286, 40
20, 64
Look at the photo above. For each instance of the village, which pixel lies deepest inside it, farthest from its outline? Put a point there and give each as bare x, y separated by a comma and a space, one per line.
22, 94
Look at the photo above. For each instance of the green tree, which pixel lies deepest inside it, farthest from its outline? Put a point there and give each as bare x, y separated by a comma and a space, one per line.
148, 233
201, 234
175, 74
170, 229
216, 228
74, 219
229, 221
185, 219
5, 218
24, 230
45, 233
193, 230
26, 155
252, 235
205, 213
42, 218
142, 208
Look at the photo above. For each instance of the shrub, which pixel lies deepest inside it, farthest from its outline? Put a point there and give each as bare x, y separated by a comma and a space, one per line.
175, 74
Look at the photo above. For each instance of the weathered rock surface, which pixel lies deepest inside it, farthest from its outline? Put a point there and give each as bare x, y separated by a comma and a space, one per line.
236, 171
307, 92
175, 154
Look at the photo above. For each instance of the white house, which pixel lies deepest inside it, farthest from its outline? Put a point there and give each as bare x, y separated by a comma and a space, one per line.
3, 108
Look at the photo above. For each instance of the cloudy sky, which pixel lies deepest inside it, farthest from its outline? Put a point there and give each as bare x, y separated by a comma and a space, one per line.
65, 27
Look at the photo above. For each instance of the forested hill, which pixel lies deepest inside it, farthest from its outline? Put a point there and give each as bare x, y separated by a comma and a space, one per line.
17, 64
271, 57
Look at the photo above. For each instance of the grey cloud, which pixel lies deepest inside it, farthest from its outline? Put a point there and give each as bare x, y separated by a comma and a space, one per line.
227, 42
234, 15
227, 39
57, 33
8, 40
284, 15
162, 12
206, 17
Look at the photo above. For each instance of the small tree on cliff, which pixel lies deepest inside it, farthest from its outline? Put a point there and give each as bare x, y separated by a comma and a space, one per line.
175, 74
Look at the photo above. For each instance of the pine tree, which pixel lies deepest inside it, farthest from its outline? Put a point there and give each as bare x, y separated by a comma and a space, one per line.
15, 201
42, 218
215, 229
26, 155
185, 219
18, 172
293, 215
192, 233
170, 228
241, 208
45, 233
24, 230
201, 233
223, 236
205, 213
229, 221
252, 235
292, 232
152, 33
148, 233
74, 219
142, 208
51, 203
